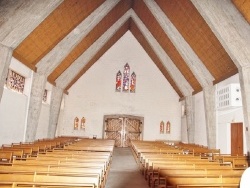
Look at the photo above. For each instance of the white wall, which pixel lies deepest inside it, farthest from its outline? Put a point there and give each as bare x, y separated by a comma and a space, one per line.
13, 108
224, 120
94, 96
43, 123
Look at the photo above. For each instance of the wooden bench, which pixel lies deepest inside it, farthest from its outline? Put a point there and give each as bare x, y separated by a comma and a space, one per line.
200, 179
237, 162
209, 185
161, 174
63, 180
86, 173
6, 157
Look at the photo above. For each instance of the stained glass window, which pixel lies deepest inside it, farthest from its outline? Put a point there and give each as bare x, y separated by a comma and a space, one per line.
83, 120
118, 86
45, 95
125, 82
15, 81
76, 121
126, 74
132, 82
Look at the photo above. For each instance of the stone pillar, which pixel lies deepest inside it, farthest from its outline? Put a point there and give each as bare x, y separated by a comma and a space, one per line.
189, 107
5, 57
35, 105
55, 104
210, 115
232, 30
244, 75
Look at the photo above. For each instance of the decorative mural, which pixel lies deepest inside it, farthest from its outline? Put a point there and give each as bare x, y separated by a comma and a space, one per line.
15, 81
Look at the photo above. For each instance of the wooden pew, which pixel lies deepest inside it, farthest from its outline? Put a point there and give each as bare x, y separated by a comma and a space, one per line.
82, 158
6, 157
201, 179
78, 180
59, 171
209, 185
184, 172
237, 161
162, 174
44, 185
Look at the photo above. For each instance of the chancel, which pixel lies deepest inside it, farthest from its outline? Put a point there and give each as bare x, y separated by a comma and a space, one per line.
138, 93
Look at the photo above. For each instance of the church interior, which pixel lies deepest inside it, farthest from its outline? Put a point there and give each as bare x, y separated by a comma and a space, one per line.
156, 91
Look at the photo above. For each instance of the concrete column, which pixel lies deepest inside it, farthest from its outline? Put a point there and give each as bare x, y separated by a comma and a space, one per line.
56, 99
173, 71
37, 91
189, 107
232, 30
51, 60
5, 57
68, 75
210, 115
229, 26
244, 75
20, 17
199, 70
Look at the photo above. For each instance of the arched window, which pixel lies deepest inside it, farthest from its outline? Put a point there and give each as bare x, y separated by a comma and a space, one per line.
83, 120
76, 122
125, 82
126, 74
118, 85
132, 82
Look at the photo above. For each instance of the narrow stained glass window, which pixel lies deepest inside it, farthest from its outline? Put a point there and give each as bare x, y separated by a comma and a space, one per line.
45, 94
15, 81
76, 121
126, 74
133, 82
118, 86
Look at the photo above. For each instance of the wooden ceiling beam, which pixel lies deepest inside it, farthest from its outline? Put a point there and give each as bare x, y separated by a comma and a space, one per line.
176, 75
146, 46
198, 69
122, 30
55, 57
96, 32
64, 79
19, 18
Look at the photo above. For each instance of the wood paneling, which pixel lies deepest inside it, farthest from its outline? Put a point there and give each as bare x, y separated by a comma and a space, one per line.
151, 23
181, 13
199, 36
120, 9
53, 29
244, 7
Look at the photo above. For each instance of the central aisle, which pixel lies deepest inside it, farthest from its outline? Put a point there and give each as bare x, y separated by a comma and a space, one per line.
124, 172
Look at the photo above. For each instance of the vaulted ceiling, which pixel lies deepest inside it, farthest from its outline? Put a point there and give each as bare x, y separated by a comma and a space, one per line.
173, 33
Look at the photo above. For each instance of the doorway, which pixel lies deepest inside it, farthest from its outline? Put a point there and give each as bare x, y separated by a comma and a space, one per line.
237, 138
123, 129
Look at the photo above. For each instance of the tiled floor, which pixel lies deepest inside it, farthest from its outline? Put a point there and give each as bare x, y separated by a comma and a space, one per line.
124, 172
